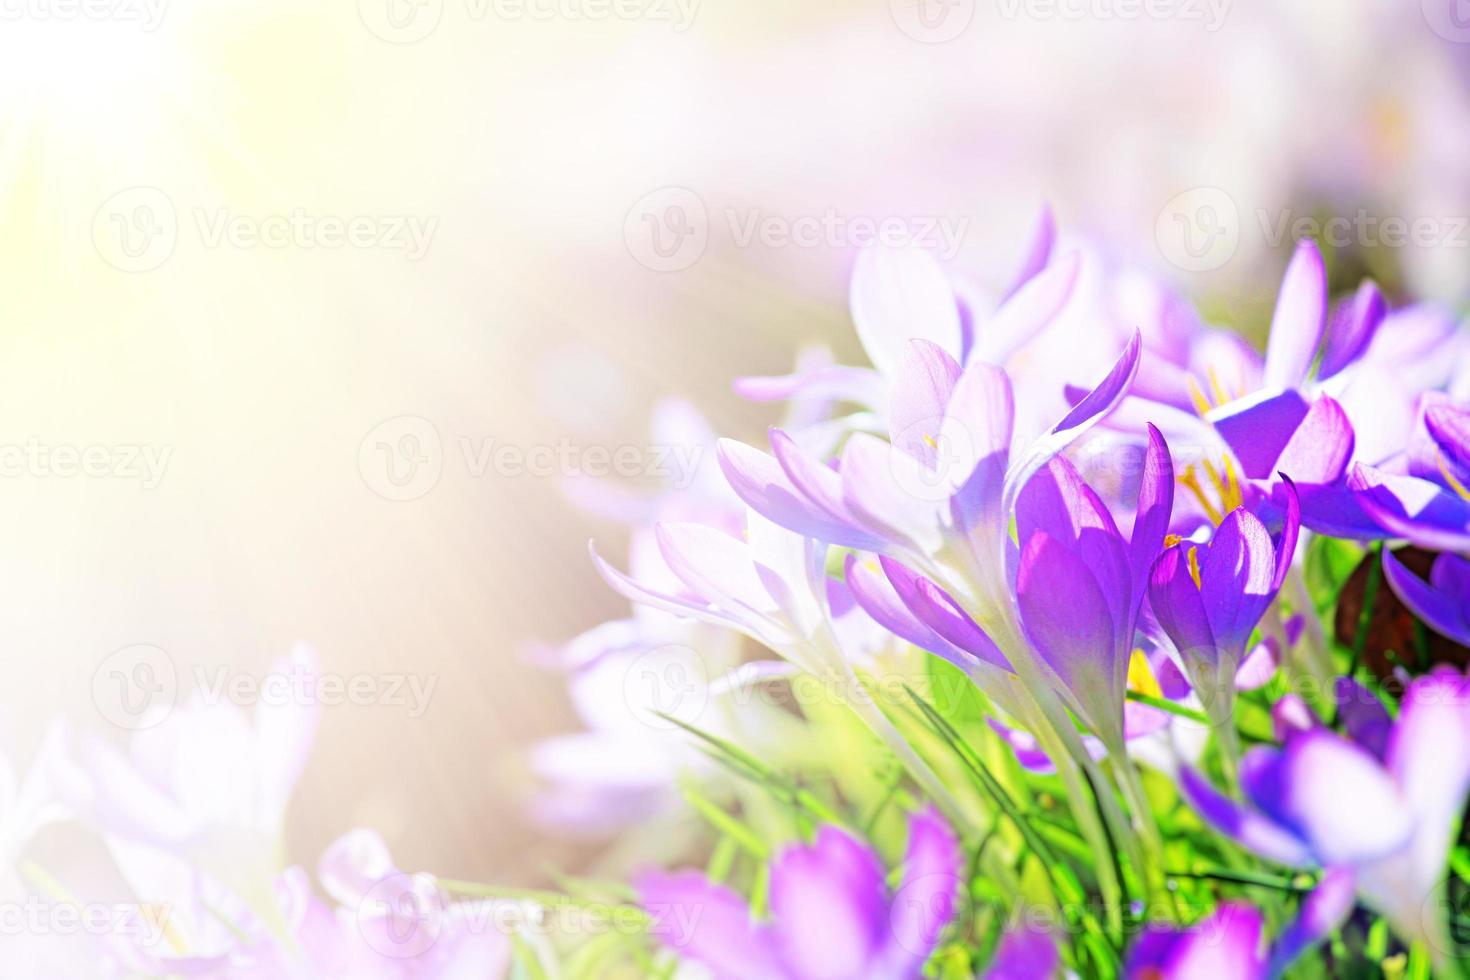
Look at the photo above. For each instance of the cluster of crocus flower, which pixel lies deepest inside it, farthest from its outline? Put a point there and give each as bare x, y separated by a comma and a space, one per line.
1126, 585
996, 662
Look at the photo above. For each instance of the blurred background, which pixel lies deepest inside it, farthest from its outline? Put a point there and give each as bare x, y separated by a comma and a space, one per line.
310, 313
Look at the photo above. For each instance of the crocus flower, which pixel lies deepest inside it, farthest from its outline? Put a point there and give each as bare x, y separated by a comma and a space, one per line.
1384, 808
1229, 945
208, 784
1425, 501
832, 917
1024, 954
1209, 598
902, 294
1443, 602
1080, 582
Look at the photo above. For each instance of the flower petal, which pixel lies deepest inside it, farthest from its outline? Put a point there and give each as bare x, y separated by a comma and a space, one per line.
1414, 509
1237, 573
1321, 446
828, 907
1072, 623
928, 894
898, 294
1429, 756
1259, 427
1444, 612
759, 480
921, 391
1038, 252
1087, 413
1301, 311
937, 610
1155, 507
1352, 329
1179, 607
1254, 831
876, 594
708, 923
1332, 793
1028, 310
1322, 913
1449, 425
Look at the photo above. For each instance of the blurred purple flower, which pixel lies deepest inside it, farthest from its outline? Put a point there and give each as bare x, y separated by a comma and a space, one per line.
1382, 807
832, 917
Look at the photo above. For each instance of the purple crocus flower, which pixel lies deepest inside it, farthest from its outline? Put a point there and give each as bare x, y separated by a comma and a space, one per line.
902, 294
1080, 582
1381, 803
1443, 602
832, 917
1024, 954
1209, 598
1228, 945
1425, 497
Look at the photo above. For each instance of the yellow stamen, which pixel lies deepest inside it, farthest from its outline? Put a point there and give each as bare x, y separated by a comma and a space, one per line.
1170, 540
1197, 395
1227, 486
1222, 395
1190, 479
931, 442
1141, 676
1194, 566
1456, 485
